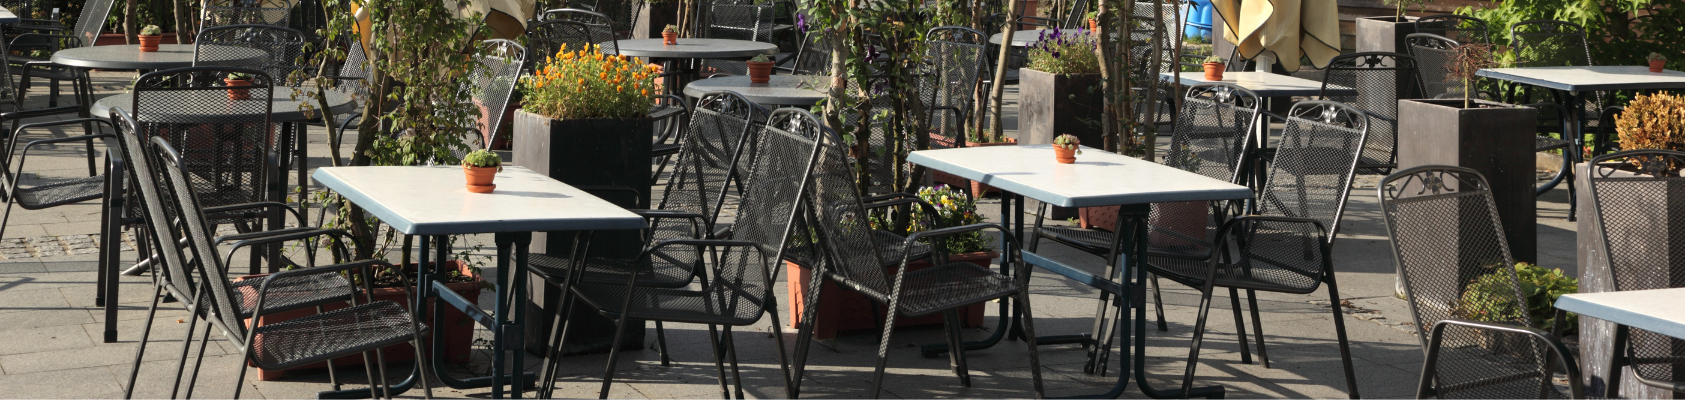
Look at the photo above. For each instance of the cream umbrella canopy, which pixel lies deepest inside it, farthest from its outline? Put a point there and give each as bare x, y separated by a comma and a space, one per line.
1293, 29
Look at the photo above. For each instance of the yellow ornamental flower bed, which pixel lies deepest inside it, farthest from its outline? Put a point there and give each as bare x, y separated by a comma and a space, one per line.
586, 83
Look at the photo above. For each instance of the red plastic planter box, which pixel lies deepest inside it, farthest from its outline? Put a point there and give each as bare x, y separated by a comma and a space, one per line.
846, 310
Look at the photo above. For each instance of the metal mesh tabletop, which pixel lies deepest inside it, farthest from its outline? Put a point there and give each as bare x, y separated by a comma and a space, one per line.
693, 48
285, 105
168, 56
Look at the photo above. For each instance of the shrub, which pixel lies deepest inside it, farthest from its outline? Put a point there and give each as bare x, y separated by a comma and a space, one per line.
586, 83
1491, 298
1655, 121
1064, 52
953, 208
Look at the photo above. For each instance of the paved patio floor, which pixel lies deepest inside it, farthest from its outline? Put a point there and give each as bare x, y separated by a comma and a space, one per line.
55, 351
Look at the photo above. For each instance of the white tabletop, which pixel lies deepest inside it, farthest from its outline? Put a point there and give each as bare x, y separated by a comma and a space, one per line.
1590, 79
435, 201
692, 48
1652, 310
1266, 84
1098, 178
784, 90
7, 17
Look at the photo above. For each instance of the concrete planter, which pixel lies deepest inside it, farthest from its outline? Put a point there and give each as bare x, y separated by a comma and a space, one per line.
584, 152
1597, 336
1052, 105
1495, 139
1384, 34
846, 310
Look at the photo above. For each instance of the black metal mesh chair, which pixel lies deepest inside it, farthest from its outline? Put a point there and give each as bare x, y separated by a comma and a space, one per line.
284, 47
1458, 28
42, 192
1434, 56
1549, 43
493, 84
742, 268
855, 258
226, 142
572, 27
1283, 244
735, 19
1635, 194
812, 57
1074, 18
51, 38
1464, 297
954, 58
359, 328
622, 15
236, 12
1380, 79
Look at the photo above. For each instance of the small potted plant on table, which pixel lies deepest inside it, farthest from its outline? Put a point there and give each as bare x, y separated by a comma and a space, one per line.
1065, 149
760, 69
1214, 68
670, 35
235, 80
1657, 61
149, 38
481, 167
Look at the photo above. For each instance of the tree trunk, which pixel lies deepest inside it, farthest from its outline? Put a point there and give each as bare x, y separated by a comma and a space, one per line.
131, 34
185, 22
996, 133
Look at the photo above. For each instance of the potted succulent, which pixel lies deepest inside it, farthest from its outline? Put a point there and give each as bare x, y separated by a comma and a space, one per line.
1657, 61
149, 37
1214, 68
760, 69
1065, 149
847, 310
670, 35
1059, 89
481, 168
238, 79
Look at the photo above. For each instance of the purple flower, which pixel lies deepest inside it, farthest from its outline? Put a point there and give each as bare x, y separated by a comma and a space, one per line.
801, 23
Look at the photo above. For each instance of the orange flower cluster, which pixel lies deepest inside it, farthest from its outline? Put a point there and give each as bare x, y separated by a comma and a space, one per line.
586, 83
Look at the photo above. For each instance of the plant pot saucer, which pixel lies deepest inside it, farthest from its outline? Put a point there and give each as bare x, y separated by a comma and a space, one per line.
481, 188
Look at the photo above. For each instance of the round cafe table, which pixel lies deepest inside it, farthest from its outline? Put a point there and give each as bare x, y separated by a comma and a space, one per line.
127, 57
693, 48
781, 90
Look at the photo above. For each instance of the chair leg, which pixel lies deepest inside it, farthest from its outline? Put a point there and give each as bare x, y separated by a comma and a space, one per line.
186, 343
731, 353
1158, 305
240, 377
333, 377
1105, 340
368, 369
661, 344
557, 343
1240, 326
140, 348
956, 352
1030, 340
883, 347
783, 358
198, 361
804, 331
1573, 195
1258, 327
1617, 360
380, 371
1340, 331
1199, 335
614, 352
719, 360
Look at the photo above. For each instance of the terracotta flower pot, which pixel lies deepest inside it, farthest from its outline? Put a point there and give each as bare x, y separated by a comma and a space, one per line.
1214, 71
1093, 26
1064, 155
1656, 65
238, 94
760, 72
669, 38
149, 43
841, 311
479, 179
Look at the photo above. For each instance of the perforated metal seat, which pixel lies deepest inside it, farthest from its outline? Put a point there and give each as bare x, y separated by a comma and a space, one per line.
291, 294
59, 193
330, 335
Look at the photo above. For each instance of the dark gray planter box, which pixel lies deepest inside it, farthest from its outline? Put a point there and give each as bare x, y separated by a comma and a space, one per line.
1596, 336
1384, 34
1051, 105
1495, 139
584, 152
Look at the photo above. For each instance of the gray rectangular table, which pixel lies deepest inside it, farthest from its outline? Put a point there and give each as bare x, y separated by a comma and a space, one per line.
433, 202
1655, 310
7, 17
1098, 178
1575, 80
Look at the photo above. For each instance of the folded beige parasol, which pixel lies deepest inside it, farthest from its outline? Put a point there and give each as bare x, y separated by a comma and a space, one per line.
1290, 28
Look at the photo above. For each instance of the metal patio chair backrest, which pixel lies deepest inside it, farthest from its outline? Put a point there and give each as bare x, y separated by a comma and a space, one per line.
1213, 130
774, 185
156, 205
735, 19
225, 142
844, 228
954, 56
1380, 79
1314, 163
284, 47
713, 157
1451, 252
1458, 28
573, 27
1434, 56
11, 97
621, 14
1636, 195
92, 20
494, 83
1550, 43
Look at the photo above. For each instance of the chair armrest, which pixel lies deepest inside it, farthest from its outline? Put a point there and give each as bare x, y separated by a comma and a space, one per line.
283, 237
17, 115
77, 41
230, 209
697, 221
1437, 336
364, 265
632, 279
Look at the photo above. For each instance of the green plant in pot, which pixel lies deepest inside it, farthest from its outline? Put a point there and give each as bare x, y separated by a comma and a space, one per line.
1657, 61
670, 35
1467, 61
235, 80
760, 69
1214, 68
149, 38
481, 168
1066, 148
